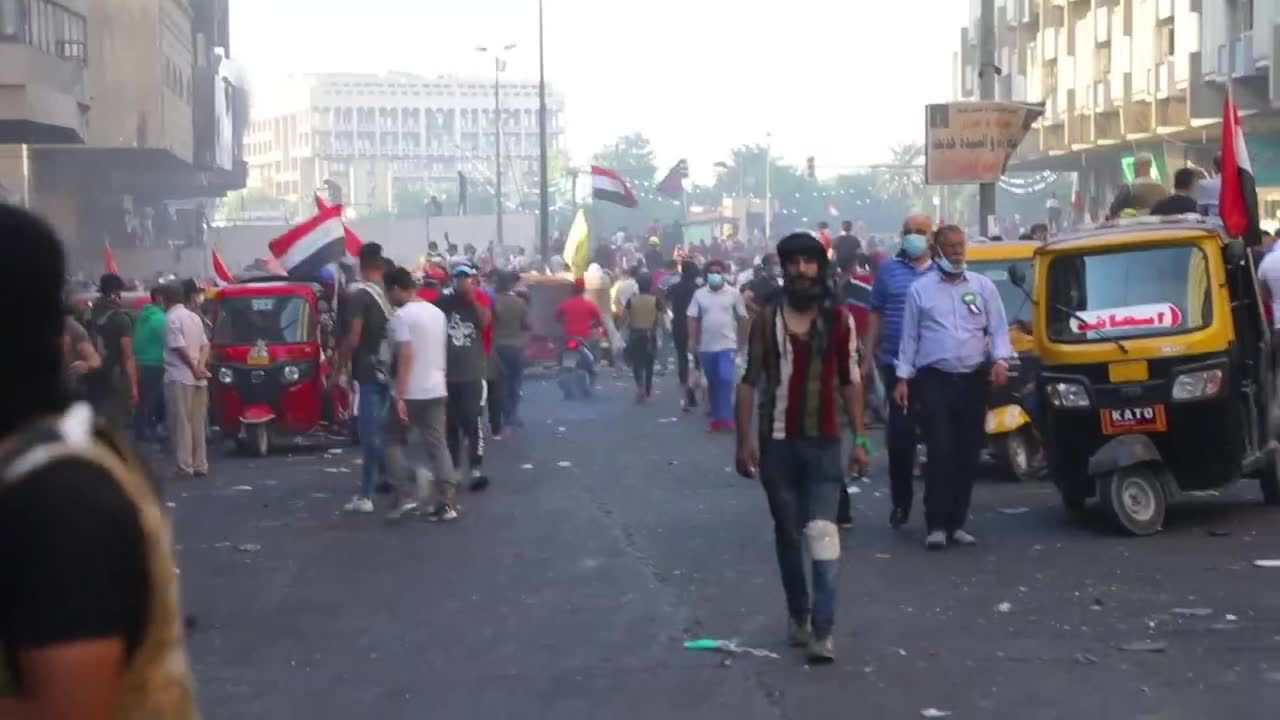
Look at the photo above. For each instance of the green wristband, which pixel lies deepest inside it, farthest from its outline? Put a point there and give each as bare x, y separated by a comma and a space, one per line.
864, 442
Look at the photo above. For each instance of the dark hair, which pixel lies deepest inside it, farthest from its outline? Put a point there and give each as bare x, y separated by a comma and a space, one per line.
370, 256
768, 259
822, 225
398, 278
110, 284
1037, 227
644, 282
157, 294
1185, 178
846, 225
31, 379
1026, 236
388, 265
170, 295
189, 289
505, 281
717, 263
433, 246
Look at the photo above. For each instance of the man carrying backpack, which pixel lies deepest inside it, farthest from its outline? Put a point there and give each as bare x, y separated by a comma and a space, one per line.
367, 354
113, 388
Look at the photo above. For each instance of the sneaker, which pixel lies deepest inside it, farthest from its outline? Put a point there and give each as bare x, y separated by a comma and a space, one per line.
798, 633
479, 482
960, 537
936, 540
359, 505
898, 517
442, 513
821, 651
405, 507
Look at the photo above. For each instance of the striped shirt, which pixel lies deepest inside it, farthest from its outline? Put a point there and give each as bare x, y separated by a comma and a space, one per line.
797, 377
888, 297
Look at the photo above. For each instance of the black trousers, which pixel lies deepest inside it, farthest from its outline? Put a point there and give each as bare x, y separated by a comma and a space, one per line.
900, 442
642, 347
495, 399
951, 408
680, 339
462, 421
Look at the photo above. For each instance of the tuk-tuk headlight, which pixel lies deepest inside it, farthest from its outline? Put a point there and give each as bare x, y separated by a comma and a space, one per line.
1067, 395
1198, 384
290, 374
225, 376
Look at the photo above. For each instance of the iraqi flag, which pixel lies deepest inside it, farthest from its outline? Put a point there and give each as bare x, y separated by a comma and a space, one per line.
221, 275
1238, 200
673, 184
350, 239
306, 248
109, 260
607, 185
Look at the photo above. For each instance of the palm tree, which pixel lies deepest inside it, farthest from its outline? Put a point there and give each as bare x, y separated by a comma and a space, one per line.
902, 180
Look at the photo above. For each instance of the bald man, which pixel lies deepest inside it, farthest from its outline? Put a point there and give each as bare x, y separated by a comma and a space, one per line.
888, 298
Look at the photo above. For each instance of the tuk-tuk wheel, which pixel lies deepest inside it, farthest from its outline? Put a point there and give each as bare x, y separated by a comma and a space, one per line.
1270, 479
259, 440
1135, 499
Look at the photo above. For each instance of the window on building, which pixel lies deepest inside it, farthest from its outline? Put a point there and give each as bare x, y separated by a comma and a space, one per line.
1165, 39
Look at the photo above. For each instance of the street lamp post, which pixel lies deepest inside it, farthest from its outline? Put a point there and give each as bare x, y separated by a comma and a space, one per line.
768, 183
498, 66
544, 203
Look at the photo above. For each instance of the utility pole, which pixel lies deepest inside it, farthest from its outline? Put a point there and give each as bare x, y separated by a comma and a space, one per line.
498, 65
768, 188
544, 203
986, 92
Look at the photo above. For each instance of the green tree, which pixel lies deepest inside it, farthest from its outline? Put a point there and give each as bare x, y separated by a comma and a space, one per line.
631, 156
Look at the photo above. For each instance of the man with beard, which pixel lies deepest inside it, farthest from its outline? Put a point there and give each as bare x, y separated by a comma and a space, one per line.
90, 625
802, 353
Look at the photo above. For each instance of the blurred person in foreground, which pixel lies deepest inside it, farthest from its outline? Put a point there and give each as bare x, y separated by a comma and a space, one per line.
90, 624
112, 388
802, 354
186, 378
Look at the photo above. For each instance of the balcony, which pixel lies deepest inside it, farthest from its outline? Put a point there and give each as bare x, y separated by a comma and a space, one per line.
1242, 62
1162, 80
1143, 88
1102, 98
45, 97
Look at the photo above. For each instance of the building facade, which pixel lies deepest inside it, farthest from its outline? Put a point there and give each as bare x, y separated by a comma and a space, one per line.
379, 136
1117, 77
117, 117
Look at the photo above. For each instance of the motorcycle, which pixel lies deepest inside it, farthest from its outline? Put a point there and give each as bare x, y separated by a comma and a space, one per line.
575, 373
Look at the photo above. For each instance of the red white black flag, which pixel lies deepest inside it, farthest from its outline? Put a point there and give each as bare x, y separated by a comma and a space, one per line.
673, 184
306, 248
221, 275
609, 186
1238, 201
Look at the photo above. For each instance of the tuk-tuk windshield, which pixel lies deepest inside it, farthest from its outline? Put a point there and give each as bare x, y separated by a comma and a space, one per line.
275, 319
1130, 293
1016, 305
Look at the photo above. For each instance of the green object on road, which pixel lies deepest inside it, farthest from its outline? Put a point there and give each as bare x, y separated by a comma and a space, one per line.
704, 644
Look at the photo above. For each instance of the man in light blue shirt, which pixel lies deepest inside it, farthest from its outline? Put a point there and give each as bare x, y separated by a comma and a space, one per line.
955, 344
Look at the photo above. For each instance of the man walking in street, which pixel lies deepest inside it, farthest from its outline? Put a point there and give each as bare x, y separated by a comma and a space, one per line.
884, 332
113, 388
801, 356
418, 332
846, 246
948, 321
714, 315
466, 318
186, 381
367, 353
510, 334
678, 298
148, 348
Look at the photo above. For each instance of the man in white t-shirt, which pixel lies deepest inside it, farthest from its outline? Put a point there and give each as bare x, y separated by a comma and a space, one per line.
419, 394
714, 314
1269, 274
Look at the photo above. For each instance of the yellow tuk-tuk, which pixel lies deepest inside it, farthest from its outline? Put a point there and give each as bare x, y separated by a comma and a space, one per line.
1012, 440
1156, 376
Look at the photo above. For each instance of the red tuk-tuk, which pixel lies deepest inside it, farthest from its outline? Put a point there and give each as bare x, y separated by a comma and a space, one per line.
270, 362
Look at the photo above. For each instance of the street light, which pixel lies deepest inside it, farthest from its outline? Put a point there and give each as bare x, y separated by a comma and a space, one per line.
499, 64
544, 203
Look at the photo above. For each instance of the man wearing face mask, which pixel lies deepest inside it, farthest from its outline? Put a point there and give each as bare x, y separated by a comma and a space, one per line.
802, 355
948, 319
713, 315
888, 298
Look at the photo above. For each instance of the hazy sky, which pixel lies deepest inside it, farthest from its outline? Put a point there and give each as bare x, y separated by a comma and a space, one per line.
837, 79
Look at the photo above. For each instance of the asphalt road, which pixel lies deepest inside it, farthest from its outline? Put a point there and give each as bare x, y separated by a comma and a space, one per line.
566, 592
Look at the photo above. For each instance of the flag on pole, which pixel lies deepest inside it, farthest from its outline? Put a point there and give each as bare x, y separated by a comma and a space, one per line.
306, 248
609, 186
577, 245
109, 259
673, 184
1238, 199
221, 276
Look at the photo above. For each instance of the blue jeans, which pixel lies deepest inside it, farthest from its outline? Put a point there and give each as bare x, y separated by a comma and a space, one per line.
719, 369
512, 359
803, 479
371, 422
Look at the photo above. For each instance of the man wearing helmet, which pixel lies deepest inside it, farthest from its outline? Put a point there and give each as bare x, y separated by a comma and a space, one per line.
802, 352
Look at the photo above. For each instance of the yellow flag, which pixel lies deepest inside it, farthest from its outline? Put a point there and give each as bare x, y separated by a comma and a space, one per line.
577, 246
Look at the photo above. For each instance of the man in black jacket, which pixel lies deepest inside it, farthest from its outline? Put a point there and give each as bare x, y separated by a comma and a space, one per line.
1183, 199
678, 298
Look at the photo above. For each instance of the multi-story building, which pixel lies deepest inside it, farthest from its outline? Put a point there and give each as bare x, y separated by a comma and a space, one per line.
111, 111
378, 135
1121, 76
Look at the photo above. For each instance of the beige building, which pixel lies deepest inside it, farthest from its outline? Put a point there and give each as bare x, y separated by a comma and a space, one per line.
1121, 76
378, 135
110, 112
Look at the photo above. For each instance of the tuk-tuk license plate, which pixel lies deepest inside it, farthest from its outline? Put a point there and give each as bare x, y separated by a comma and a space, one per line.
1140, 418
